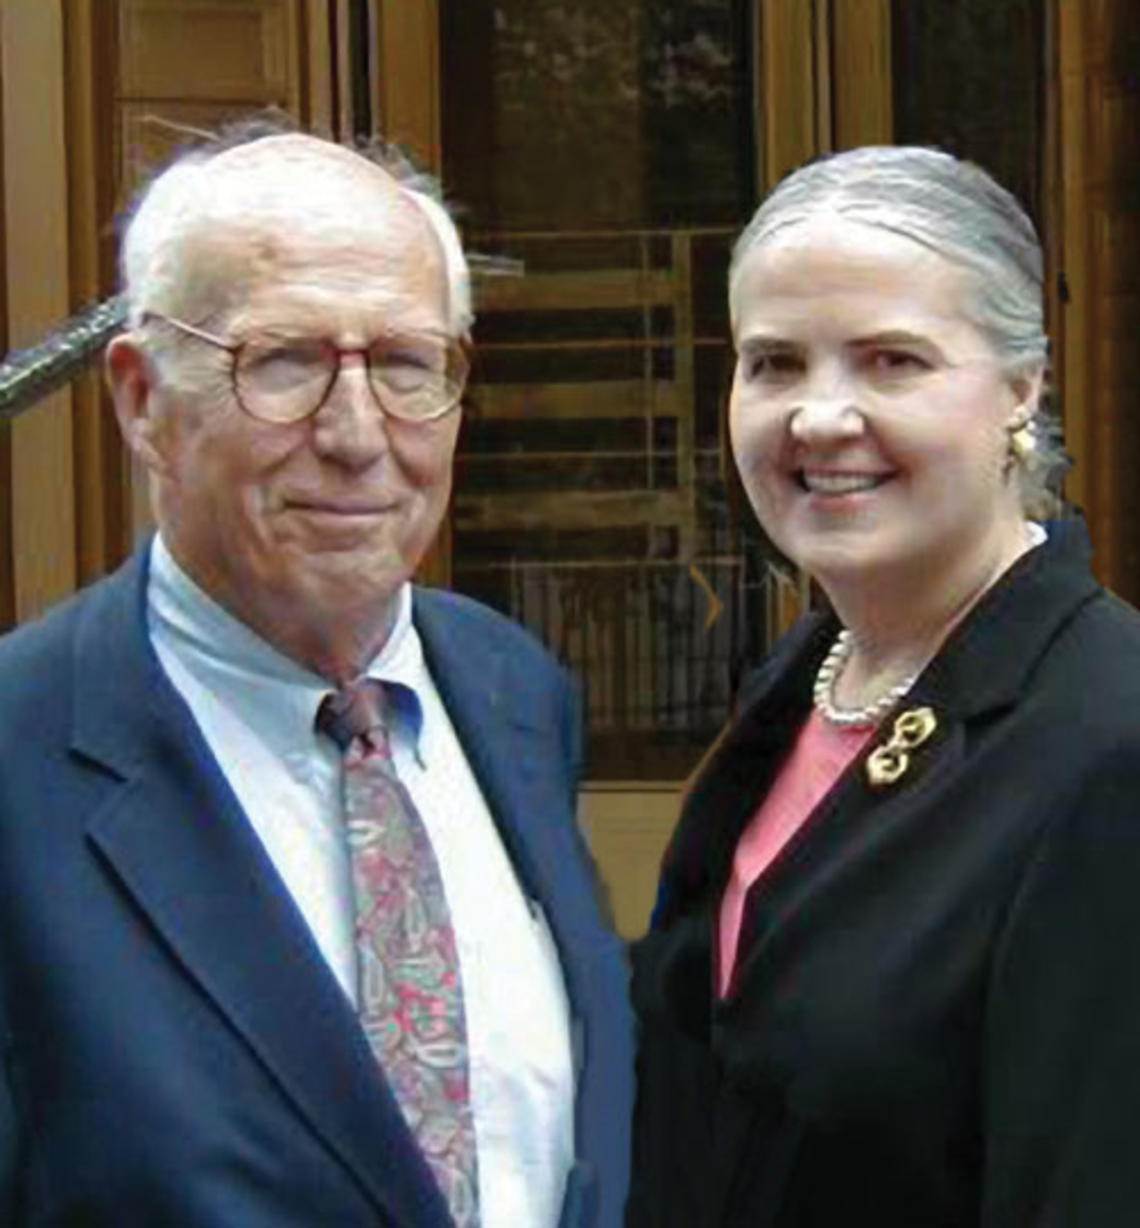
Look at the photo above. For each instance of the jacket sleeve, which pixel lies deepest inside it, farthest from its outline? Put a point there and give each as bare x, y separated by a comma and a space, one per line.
8, 1134
573, 720
1061, 1067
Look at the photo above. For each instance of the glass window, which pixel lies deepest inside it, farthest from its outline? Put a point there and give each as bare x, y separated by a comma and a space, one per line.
607, 147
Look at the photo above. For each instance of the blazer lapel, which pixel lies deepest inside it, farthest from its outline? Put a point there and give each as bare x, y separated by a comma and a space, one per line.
175, 837
736, 774
980, 671
488, 704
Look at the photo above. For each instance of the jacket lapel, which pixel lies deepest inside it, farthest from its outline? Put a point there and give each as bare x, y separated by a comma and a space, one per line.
516, 766
174, 836
736, 774
981, 670
489, 703
521, 741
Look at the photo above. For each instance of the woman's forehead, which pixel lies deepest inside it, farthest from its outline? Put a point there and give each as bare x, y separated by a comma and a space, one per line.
838, 268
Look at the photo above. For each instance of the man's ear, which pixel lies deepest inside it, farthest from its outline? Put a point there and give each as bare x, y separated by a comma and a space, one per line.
130, 377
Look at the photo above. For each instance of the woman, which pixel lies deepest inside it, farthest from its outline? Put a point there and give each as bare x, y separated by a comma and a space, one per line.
890, 979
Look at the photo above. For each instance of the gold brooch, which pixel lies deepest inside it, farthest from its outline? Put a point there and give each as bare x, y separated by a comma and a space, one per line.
888, 763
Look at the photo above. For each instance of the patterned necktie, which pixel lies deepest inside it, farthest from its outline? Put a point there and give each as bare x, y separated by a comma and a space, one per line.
410, 991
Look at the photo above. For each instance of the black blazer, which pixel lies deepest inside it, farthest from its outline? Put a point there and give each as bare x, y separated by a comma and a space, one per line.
176, 1053
935, 1019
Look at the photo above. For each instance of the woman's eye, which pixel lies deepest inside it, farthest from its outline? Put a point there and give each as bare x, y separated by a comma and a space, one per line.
770, 366
895, 364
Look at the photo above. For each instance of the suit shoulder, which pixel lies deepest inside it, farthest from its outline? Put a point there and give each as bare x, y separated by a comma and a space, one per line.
461, 615
1098, 651
1075, 723
37, 664
40, 648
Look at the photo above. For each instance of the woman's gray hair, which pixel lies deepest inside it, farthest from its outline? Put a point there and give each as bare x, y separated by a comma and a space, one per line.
175, 202
957, 210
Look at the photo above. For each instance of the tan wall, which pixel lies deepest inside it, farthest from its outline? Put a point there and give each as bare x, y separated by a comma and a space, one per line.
628, 827
41, 494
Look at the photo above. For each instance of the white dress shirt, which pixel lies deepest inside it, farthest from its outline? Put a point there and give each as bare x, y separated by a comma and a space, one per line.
256, 710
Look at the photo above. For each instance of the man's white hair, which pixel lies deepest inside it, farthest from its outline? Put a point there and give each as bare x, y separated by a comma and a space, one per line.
183, 199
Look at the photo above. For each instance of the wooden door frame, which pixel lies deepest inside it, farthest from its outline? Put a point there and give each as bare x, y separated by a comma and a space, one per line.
1090, 485
822, 73
823, 80
405, 88
41, 442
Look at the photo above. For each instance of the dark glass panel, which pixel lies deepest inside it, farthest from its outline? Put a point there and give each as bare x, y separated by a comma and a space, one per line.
969, 78
610, 142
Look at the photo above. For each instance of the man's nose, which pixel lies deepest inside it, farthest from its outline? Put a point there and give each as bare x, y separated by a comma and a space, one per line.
350, 426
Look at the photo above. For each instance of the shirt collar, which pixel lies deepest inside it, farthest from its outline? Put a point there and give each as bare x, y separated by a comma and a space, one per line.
273, 692
400, 666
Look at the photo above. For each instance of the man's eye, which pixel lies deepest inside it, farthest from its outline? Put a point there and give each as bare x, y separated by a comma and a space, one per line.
283, 366
408, 364
410, 354
408, 360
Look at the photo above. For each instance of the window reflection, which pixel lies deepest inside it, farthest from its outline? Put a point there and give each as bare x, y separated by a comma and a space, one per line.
608, 146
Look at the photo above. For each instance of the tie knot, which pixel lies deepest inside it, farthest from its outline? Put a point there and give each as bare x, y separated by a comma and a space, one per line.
360, 708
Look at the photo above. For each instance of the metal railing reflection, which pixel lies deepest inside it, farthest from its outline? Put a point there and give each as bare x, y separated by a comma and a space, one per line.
29, 375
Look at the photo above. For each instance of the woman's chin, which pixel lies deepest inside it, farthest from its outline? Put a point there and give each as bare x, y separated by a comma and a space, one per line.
843, 556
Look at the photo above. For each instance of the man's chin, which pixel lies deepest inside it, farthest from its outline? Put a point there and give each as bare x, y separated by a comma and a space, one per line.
335, 581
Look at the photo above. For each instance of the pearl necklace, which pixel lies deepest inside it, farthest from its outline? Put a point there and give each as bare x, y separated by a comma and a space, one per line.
823, 693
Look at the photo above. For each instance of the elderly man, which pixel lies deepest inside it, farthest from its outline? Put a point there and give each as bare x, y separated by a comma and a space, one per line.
296, 928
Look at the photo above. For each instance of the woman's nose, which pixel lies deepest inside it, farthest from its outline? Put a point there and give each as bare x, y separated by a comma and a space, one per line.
830, 414
828, 404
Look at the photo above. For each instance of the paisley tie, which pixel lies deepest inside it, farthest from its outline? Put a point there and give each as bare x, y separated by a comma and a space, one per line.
410, 992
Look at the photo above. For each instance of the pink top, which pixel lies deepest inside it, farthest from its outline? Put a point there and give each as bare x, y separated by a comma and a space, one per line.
819, 756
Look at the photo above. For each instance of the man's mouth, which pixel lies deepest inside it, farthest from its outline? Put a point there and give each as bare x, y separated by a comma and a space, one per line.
337, 507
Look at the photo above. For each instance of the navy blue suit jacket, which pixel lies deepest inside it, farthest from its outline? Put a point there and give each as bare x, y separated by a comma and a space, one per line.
176, 1052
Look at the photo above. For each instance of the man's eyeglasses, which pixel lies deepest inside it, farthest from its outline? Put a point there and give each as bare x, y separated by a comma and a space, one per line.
416, 377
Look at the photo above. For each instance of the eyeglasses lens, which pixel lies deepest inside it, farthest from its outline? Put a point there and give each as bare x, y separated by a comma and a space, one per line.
415, 378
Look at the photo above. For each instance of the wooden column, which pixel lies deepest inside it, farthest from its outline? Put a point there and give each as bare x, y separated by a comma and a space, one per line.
1099, 41
861, 73
186, 65
43, 551
319, 105
406, 90
407, 76
102, 508
823, 83
7, 574
789, 86
1081, 434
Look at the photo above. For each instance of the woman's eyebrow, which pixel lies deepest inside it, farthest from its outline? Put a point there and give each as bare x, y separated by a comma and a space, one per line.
770, 340
895, 336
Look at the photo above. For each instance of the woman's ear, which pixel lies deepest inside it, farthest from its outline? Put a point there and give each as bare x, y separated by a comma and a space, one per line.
130, 377
1027, 388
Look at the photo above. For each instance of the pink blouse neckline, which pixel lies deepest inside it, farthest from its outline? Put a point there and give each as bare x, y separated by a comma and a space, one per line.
821, 753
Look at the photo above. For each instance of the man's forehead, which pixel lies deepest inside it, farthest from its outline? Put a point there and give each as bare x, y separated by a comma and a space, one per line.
297, 173
281, 202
